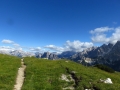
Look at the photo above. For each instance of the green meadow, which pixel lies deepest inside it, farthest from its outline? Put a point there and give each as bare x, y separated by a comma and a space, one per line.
44, 74
8, 71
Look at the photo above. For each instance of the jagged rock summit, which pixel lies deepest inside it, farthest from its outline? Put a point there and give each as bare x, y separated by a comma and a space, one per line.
106, 54
49, 55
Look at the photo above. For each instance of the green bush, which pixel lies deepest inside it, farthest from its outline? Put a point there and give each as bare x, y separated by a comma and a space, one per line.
105, 68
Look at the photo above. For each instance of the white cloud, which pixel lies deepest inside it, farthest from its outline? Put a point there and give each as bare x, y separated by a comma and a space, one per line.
6, 48
16, 45
101, 30
115, 36
7, 41
35, 49
55, 48
102, 37
68, 46
19, 48
76, 46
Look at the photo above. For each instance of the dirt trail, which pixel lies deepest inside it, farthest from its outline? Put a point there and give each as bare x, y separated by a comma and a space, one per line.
20, 76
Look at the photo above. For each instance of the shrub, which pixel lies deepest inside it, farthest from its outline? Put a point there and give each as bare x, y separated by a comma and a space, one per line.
105, 68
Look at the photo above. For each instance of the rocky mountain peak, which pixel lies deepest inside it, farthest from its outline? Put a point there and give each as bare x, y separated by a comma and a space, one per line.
49, 55
117, 45
105, 54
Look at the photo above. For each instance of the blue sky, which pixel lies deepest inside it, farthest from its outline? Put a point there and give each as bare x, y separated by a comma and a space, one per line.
58, 25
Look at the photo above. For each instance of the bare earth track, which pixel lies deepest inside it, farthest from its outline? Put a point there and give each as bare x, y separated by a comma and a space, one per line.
20, 76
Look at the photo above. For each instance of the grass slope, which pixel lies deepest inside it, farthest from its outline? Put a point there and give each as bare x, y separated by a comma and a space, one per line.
8, 71
44, 74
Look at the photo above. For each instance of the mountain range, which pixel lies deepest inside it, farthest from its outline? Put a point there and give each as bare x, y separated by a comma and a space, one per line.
107, 54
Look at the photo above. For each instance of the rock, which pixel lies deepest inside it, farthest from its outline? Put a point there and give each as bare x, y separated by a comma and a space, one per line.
73, 72
64, 77
45, 55
107, 54
66, 54
69, 88
53, 56
49, 55
108, 81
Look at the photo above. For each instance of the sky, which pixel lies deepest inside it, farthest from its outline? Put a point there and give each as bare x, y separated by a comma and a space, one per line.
58, 25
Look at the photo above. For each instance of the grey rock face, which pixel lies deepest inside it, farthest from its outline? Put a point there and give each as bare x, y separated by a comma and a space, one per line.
48, 55
93, 52
45, 55
38, 55
106, 54
114, 54
53, 56
66, 54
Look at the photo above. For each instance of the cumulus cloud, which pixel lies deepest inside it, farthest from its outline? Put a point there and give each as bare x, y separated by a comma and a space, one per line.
100, 36
76, 46
55, 48
35, 49
101, 30
7, 41
14, 47
6, 48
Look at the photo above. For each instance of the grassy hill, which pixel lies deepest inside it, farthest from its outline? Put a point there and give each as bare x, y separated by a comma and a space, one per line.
8, 71
41, 74
44, 74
